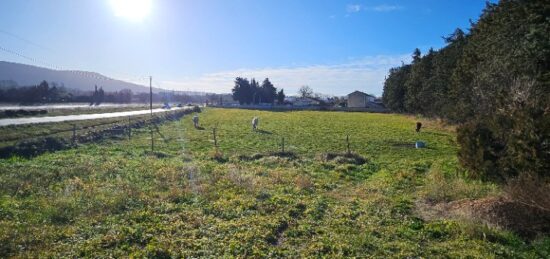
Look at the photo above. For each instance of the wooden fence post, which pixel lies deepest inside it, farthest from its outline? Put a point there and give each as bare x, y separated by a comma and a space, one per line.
283, 145
215, 139
152, 138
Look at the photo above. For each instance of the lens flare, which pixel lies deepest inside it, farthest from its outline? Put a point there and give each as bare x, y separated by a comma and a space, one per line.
134, 10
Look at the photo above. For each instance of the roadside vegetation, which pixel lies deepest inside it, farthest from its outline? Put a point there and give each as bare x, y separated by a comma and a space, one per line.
25, 112
242, 196
493, 83
10, 135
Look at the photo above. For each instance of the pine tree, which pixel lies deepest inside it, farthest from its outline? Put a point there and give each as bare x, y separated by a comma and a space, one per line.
100, 96
241, 91
256, 93
281, 97
394, 88
268, 92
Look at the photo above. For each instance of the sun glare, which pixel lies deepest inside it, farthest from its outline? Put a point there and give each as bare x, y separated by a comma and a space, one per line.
134, 10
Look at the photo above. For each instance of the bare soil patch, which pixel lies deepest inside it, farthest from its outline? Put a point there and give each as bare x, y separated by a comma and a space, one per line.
501, 212
343, 158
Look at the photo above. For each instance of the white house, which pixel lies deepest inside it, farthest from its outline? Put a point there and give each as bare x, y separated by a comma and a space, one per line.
359, 99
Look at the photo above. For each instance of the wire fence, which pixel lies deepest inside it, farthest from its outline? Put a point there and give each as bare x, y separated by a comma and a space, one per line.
345, 140
73, 134
287, 142
226, 139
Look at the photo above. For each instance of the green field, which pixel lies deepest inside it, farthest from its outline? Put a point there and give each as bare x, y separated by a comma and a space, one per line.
12, 134
115, 198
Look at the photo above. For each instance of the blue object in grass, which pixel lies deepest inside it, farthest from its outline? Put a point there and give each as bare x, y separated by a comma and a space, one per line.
420, 144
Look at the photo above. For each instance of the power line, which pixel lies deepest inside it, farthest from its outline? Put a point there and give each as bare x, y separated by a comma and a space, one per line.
92, 75
30, 58
25, 40
55, 67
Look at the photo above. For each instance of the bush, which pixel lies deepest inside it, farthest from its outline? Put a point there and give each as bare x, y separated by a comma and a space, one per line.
30, 148
514, 141
479, 151
10, 113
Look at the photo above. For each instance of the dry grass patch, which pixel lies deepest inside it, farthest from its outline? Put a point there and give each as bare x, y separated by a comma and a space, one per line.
304, 182
519, 209
531, 191
342, 158
441, 187
242, 179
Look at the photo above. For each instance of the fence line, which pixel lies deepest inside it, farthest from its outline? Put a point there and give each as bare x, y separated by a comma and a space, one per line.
373, 108
224, 139
274, 142
119, 127
85, 127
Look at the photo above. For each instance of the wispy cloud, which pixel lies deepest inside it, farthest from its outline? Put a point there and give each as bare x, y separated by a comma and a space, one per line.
365, 74
385, 8
354, 8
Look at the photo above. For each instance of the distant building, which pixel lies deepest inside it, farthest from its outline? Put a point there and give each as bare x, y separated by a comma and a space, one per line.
359, 99
227, 100
303, 101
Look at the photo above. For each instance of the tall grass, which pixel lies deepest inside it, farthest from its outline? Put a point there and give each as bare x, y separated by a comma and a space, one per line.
441, 186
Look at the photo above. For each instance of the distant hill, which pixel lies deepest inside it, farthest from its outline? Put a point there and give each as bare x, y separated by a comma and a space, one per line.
12, 74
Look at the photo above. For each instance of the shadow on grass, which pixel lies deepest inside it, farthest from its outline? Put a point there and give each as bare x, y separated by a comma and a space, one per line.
157, 154
435, 134
402, 144
408, 145
264, 132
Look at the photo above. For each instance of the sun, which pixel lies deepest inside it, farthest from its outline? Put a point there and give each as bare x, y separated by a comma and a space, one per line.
134, 10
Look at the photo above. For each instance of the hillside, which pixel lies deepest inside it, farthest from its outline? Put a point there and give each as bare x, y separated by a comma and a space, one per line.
25, 75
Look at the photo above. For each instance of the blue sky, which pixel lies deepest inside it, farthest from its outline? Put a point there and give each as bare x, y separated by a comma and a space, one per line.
335, 47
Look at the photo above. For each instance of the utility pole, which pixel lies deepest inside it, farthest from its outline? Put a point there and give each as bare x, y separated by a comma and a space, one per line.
151, 95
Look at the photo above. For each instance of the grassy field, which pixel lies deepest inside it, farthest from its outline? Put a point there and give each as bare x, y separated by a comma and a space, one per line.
10, 135
115, 198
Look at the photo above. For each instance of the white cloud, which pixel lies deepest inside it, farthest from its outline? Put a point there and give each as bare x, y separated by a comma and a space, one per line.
353, 8
385, 8
365, 74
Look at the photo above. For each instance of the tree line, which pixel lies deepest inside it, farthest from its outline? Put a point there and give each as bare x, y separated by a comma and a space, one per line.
41, 93
251, 92
494, 83
54, 93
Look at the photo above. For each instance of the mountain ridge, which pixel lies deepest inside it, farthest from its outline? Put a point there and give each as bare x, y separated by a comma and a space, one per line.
25, 75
